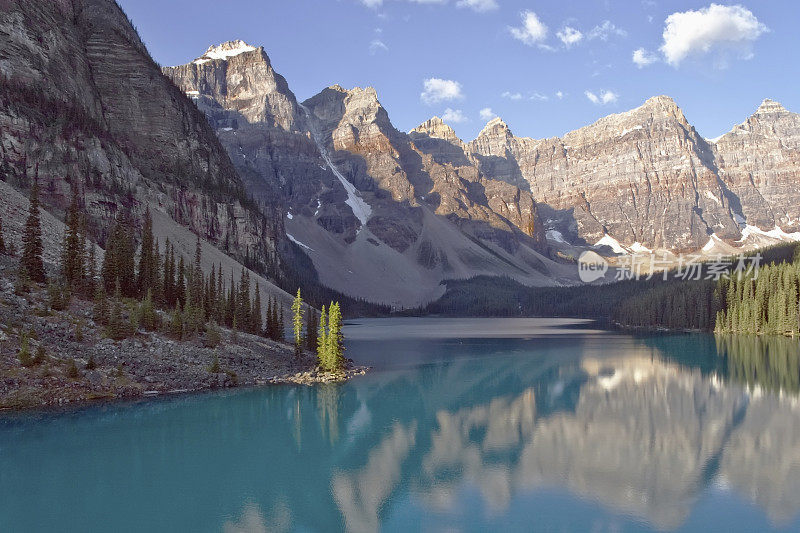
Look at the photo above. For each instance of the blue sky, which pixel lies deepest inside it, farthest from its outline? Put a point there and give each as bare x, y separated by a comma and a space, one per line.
544, 67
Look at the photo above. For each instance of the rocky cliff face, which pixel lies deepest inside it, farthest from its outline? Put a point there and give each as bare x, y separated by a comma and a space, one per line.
759, 160
84, 106
383, 214
645, 176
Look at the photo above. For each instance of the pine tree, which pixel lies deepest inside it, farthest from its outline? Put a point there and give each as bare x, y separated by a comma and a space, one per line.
148, 318
256, 321
148, 267
220, 301
32, 239
197, 274
176, 324
270, 328
335, 335
72, 254
243, 300
168, 285
180, 285
297, 323
322, 340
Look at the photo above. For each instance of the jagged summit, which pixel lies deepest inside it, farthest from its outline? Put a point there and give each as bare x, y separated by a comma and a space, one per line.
493, 126
661, 99
224, 51
437, 128
770, 106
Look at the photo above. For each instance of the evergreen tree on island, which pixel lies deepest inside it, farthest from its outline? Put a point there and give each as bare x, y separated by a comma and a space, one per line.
297, 323
32, 239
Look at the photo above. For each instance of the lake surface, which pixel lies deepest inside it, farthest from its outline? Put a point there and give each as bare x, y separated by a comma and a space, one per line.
464, 425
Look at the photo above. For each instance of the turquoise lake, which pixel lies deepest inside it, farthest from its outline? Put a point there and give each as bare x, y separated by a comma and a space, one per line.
463, 425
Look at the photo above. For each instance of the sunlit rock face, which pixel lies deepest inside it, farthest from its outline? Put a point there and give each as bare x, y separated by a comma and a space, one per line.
84, 105
401, 208
642, 176
759, 160
646, 175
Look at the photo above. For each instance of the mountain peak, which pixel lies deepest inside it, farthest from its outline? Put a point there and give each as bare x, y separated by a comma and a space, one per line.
770, 106
435, 127
224, 51
494, 126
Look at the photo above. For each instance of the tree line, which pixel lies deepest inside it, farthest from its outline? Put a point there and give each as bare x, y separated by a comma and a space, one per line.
129, 288
766, 303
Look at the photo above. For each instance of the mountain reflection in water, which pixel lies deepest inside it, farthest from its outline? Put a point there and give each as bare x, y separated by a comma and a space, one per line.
578, 431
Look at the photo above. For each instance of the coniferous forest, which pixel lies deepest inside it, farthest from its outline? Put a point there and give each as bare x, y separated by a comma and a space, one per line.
766, 302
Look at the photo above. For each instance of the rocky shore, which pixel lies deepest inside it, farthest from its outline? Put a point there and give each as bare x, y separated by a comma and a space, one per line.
72, 362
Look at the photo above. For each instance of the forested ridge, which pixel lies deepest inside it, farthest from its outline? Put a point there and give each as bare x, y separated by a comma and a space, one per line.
762, 301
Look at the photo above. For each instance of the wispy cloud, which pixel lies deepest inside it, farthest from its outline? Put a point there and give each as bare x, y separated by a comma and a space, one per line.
643, 58
605, 30
487, 114
603, 98
532, 32
569, 36
438, 90
376, 45
454, 116
479, 6
508, 95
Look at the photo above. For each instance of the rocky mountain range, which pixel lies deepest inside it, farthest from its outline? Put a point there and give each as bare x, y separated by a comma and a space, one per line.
386, 215
646, 176
328, 190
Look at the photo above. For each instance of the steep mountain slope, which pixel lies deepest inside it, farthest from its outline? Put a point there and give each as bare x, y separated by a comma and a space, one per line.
759, 160
645, 176
382, 215
642, 176
83, 106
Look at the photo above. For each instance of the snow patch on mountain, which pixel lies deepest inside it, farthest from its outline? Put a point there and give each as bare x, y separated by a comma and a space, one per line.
612, 243
307, 247
224, 51
361, 209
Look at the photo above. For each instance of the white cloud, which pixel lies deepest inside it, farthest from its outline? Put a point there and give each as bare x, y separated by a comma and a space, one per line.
569, 36
643, 58
511, 96
605, 97
605, 30
540, 97
479, 6
439, 90
372, 3
487, 113
454, 116
533, 31
559, 95
377, 46
714, 29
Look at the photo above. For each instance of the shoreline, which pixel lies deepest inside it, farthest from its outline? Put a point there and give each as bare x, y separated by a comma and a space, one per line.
308, 377
71, 362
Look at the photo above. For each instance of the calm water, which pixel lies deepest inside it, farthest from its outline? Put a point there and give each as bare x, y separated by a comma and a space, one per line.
464, 425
